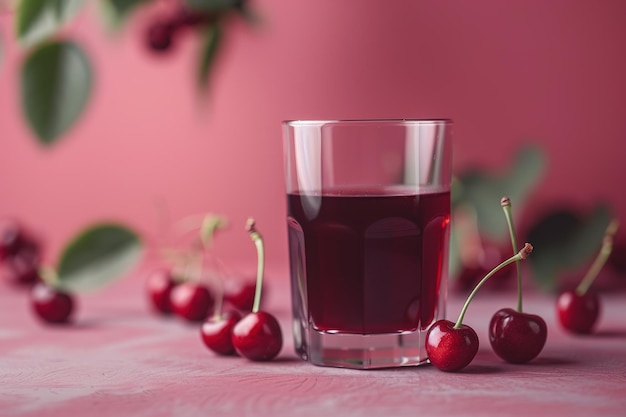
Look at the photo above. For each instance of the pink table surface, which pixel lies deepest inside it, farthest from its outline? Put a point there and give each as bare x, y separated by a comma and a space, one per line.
120, 359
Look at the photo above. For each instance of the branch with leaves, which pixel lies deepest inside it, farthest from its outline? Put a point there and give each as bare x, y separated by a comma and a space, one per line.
57, 75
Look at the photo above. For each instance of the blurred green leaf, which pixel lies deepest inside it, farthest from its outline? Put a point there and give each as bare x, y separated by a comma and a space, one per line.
56, 83
66, 9
97, 256
210, 47
563, 240
117, 10
37, 20
484, 190
213, 5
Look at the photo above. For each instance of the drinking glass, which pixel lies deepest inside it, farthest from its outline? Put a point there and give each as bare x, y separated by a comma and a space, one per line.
368, 205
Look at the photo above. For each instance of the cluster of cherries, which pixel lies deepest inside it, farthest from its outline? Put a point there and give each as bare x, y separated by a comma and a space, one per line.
162, 32
20, 259
231, 319
516, 336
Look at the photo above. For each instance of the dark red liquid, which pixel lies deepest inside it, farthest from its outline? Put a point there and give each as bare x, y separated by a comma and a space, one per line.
370, 263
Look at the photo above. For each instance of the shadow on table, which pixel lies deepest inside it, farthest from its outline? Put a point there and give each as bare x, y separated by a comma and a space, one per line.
609, 333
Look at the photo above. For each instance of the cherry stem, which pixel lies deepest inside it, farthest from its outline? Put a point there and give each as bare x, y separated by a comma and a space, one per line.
210, 223
601, 258
522, 254
260, 249
49, 275
508, 213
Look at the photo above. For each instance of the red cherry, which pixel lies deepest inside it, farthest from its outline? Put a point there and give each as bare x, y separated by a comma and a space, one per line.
451, 349
240, 294
517, 337
159, 287
217, 331
160, 35
191, 301
11, 238
578, 313
22, 268
258, 336
50, 304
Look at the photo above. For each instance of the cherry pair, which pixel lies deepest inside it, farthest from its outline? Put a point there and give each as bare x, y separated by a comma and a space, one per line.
515, 336
20, 258
191, 300
257, 335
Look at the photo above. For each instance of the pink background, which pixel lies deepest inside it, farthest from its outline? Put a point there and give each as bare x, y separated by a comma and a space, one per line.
552, 72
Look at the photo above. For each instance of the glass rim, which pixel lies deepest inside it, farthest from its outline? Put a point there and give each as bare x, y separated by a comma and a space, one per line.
407, 121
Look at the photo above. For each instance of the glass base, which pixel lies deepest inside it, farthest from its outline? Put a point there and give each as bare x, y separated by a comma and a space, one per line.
358, 351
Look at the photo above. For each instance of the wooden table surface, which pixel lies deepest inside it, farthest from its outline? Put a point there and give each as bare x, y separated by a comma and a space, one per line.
120, 359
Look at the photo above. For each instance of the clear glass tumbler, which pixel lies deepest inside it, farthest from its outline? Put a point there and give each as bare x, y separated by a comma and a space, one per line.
368, 204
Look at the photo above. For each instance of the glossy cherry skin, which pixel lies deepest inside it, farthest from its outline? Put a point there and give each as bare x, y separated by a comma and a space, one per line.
240, 294
216, 332
50, 304
159, 288
451, 349
191, 301
258, 336
578, 313
517, 337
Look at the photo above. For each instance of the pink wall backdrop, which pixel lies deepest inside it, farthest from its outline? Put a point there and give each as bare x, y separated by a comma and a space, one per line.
550, 72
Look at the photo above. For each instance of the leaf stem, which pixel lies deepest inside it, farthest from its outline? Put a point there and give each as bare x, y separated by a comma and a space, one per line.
522, 254
258, 242
601, 258
508, 213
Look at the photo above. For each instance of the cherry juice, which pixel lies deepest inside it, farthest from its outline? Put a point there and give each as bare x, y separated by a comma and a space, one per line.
369, 262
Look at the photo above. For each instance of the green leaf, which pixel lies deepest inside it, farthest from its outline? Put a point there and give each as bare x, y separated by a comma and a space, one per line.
484, 190
97, 256
56, 83
37, 20
210, 47
563, 240
212, 5
118, 10
64, 10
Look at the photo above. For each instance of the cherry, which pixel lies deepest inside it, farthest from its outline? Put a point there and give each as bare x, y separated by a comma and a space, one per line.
11, 238
452, 346
240, 294
258, 335
517, 337
50, 304
578, 313
160, 35
22, 268
216, 332
160, 284
192, 301
578, 310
